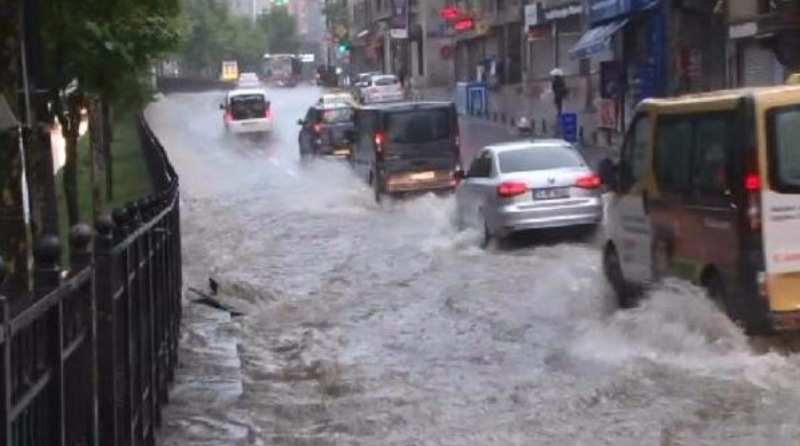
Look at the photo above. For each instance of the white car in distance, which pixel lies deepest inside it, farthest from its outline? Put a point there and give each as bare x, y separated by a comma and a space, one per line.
247, 111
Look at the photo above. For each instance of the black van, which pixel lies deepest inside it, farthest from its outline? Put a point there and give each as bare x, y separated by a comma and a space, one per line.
407, 147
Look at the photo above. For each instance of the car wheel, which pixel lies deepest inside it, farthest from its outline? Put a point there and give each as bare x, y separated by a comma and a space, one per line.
486, 237
612, 268
376, 189
748, 313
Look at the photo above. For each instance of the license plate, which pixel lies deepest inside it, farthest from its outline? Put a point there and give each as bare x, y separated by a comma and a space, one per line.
551, 193
422, 176
341, 152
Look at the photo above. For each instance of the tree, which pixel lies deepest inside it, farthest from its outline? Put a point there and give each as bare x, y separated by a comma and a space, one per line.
280, 29
15, 240
98, 52
214, 35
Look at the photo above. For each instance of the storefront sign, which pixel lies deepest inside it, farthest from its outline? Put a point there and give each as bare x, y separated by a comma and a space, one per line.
742, 30
563, 12
605, 10
399, 19
533, 15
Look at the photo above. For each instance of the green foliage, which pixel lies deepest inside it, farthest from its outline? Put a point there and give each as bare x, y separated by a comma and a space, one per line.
107, 47
213, 34
280, 29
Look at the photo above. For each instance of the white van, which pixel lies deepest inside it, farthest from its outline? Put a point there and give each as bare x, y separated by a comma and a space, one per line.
247, 111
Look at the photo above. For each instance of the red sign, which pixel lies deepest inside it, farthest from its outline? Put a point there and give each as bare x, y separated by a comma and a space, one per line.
464, 24
537, 32
449, 13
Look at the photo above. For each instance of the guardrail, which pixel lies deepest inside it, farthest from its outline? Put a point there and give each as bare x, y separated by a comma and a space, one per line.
88, 358
169, 85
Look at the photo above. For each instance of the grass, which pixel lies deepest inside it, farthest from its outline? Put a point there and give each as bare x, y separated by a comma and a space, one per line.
131, 179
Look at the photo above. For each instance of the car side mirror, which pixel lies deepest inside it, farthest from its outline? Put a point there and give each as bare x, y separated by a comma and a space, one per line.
300, 122
460, 175
222, 106
607, 170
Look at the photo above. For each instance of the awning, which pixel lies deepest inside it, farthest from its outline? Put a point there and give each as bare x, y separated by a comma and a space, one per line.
596, 40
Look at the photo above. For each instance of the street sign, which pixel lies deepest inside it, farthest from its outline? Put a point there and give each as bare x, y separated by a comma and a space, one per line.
569, 127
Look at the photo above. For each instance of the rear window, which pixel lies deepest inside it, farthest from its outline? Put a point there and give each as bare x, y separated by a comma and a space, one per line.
417, 126
248, 106
337, 115
538, 158
784, 138
382, 81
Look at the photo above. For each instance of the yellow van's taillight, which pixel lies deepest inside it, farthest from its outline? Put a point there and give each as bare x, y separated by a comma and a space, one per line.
752, 187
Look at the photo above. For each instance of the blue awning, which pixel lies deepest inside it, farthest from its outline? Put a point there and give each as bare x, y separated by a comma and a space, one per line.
596, 40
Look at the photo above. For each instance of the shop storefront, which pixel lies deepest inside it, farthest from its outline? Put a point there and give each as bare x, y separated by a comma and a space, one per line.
630, 36
751, 64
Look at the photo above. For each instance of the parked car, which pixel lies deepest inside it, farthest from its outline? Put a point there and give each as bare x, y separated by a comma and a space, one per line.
383, 88
247, 111
527, 185
407, 147
361, 82
707, 189
323, 131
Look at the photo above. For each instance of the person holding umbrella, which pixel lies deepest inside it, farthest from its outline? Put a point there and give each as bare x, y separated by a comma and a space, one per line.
559, 88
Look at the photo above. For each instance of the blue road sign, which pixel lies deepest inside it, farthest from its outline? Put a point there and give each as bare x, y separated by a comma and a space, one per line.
569, 127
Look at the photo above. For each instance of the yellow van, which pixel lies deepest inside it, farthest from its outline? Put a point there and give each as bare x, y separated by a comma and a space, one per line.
707, 188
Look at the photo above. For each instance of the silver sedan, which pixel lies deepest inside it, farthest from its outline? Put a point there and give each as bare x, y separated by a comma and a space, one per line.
528, 185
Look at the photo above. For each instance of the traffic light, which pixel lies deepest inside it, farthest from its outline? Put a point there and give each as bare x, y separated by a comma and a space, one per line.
343, 48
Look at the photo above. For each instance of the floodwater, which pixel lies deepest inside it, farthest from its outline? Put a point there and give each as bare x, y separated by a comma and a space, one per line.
369, 325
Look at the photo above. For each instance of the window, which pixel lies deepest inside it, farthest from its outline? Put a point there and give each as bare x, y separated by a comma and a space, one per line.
674, 154
417, 126
538, 158
481, 166
692, 155
337, 115
248, 106
634, 152
710, 160
383, 81
783, 134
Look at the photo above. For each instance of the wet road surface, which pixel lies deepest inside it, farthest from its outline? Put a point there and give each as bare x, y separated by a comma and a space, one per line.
367, 325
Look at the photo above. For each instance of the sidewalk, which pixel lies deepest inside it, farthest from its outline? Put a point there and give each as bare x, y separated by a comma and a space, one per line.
498, 126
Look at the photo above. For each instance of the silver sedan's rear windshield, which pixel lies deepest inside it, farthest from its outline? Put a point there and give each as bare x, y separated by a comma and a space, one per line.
538, 158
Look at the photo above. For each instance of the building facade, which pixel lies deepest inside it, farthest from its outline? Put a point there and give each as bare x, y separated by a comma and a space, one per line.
250, 8
424, 56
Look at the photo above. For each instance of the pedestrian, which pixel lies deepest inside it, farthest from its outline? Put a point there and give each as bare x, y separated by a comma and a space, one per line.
401, 75
559, 88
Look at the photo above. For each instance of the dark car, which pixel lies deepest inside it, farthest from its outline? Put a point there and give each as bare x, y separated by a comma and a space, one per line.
404, 148
323, 131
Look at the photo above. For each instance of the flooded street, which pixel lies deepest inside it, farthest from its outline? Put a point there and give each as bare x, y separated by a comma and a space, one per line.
382, 326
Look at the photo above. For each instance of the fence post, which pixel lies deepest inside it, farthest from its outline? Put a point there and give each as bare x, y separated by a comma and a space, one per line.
80, 249
105, 286
80, 239
5, 373
47, 277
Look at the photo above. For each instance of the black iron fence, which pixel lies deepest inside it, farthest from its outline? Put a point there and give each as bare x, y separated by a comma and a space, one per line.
88, 358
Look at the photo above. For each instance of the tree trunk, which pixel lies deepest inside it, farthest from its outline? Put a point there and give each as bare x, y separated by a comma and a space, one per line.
71, 133
41, 176
15, 243
97, 143
108, 136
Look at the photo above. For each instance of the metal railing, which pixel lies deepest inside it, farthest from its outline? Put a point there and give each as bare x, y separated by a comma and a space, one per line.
88, 358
